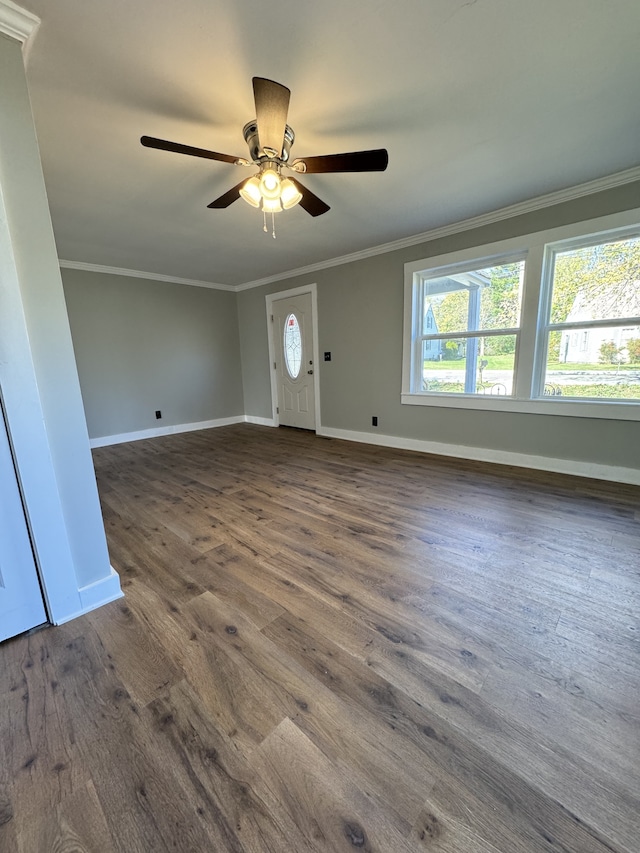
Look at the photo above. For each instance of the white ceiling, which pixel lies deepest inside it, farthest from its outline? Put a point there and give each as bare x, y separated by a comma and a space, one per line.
481, 104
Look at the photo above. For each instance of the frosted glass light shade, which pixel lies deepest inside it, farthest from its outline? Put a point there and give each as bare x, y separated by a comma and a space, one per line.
250, 192
271, 205
270, 182
290, 195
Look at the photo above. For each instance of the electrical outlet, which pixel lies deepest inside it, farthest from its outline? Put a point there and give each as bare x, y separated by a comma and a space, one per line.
374, 421
158, 414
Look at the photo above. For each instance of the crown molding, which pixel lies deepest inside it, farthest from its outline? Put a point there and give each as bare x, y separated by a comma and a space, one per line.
78, 265
537, 203
18, 23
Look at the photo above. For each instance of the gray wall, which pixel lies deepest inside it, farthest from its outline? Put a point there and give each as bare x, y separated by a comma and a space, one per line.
143, 345
360, 314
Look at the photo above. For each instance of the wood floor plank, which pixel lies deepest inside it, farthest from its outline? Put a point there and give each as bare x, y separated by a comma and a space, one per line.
77, 825
329, 810
8, 840
39, 753
514, 824
456, 757
569, 693
236, 799
262, 686
328, 646
143, 549
565, 776
382, 612
145, 669
622, 637
441, 832
117, 747
227, 587
582, 656
541, 705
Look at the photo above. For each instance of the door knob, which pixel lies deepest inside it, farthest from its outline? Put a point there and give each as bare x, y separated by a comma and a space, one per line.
309, 372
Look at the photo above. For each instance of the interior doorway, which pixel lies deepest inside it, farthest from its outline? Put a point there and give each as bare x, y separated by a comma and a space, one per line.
293, 353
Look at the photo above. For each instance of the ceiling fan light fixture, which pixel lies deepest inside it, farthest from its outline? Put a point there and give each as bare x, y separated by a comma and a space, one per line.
271, 205
270, 184
290, 195
250, 192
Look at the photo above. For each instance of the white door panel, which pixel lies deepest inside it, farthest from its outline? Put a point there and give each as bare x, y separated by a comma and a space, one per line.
21, 604
287, 401
303, 400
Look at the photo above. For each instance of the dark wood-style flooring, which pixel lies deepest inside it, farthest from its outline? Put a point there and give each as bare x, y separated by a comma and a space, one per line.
329, 647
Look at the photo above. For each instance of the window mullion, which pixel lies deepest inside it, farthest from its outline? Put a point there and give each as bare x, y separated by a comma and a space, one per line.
473, 323
526, 351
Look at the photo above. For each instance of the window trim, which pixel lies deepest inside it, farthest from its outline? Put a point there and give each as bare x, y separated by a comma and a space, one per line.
537, 248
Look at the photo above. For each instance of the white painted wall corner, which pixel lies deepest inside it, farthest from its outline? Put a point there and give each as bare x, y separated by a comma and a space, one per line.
105, 440
252, 419
94, 595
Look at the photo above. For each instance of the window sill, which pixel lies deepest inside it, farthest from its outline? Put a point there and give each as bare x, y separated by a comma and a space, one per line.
624, 411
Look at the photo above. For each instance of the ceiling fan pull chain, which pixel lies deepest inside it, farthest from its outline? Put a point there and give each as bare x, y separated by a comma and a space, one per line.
264, 222
273, 225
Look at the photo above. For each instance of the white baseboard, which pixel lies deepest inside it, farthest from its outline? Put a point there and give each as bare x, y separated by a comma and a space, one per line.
94, 595
106, 440
613, 473
252, 419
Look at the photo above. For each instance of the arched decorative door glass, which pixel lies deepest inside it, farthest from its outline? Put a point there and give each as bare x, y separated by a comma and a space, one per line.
292, 346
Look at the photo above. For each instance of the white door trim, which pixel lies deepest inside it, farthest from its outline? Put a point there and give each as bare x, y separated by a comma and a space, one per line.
270, 298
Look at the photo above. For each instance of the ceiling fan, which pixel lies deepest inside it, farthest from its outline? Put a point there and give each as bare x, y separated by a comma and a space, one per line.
270, 138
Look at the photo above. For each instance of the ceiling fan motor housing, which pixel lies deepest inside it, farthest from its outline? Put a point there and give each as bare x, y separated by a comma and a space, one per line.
257, 154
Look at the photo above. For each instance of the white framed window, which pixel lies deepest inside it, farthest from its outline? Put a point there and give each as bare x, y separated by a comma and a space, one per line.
546, 323
465, 317
591, 293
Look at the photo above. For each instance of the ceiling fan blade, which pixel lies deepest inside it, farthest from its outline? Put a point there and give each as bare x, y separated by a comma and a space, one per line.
229, 197
310, 202
178, 148
272, 107
355, 161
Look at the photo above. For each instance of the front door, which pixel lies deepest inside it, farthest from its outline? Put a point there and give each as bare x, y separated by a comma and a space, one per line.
21, 604
295, 370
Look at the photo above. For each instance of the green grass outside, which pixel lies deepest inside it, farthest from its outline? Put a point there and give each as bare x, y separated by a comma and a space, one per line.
496, 362
557, 366
505, 362
618, 392
447, 387
615, 392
